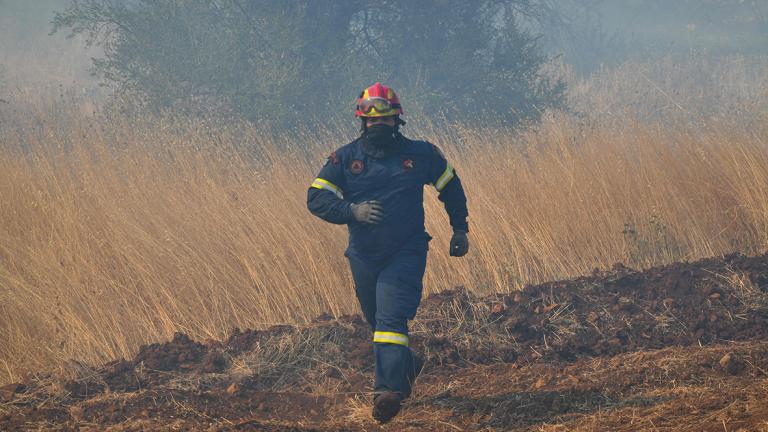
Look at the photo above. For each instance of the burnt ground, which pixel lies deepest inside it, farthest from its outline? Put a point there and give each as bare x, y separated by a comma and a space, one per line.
681, 347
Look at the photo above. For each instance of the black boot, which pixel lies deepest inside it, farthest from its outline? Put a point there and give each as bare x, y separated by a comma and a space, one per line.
386, 405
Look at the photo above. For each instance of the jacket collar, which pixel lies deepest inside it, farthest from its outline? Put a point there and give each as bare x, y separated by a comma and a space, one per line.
382, 152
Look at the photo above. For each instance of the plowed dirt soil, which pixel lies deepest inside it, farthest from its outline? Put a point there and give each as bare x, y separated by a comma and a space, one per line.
681, 347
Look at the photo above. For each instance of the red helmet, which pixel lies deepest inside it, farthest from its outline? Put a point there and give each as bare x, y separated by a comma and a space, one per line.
378, 101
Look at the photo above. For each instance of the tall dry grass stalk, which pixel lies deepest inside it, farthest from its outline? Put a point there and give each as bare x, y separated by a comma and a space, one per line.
121, 233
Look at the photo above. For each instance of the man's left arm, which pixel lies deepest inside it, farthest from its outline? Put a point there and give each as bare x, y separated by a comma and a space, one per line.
451, 193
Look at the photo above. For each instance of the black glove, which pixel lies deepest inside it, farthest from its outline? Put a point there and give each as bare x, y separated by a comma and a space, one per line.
369, 212
459, 243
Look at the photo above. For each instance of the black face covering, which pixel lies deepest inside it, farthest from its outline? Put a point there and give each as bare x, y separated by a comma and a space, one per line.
381, 140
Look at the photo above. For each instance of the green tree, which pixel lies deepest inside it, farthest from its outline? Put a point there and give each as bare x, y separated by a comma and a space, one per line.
276, 61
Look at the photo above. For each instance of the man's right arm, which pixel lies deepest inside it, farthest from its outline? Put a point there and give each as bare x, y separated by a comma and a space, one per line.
325, 198
326, 205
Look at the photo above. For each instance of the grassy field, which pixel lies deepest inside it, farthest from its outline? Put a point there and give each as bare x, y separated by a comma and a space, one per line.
117, 234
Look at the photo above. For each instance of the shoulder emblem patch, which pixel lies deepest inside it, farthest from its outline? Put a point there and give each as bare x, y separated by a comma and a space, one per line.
356, 166
331, 159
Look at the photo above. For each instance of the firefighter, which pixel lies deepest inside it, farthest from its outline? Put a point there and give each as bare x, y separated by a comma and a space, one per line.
375, 185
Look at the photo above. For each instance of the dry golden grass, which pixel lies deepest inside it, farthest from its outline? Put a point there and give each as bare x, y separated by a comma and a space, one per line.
120, 233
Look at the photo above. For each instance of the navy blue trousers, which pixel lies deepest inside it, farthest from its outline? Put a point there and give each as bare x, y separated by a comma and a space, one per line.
389, 292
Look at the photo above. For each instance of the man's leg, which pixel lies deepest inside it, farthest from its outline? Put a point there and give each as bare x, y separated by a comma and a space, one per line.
365, 275
398, 294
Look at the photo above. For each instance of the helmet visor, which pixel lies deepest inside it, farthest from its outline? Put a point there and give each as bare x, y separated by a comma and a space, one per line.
381, 105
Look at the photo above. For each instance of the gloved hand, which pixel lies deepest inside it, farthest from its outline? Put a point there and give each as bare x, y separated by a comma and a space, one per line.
459, 243
369, 212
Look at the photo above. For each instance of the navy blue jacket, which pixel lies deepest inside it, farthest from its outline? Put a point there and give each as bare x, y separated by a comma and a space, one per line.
397, 182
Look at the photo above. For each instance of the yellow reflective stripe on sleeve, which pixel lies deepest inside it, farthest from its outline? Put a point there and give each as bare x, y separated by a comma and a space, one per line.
325, 184
445, 178
390, 337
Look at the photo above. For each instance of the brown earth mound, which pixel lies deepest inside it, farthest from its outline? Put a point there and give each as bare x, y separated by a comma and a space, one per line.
681, 347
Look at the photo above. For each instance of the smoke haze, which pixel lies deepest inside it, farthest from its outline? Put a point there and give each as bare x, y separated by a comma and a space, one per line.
587, 35
29, 56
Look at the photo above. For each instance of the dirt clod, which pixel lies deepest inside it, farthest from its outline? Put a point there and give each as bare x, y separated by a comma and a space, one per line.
8, 392
497, 308
732, 363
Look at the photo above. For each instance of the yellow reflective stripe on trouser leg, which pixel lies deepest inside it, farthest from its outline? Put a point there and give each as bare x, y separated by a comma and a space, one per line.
325, 184
445, 178
390, 337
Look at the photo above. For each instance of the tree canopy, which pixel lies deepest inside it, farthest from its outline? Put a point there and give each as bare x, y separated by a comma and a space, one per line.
278, 61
